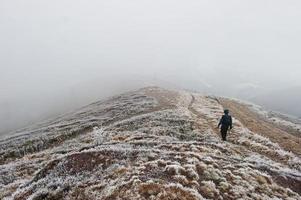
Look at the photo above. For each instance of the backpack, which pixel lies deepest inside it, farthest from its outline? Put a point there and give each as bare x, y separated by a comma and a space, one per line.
227, 120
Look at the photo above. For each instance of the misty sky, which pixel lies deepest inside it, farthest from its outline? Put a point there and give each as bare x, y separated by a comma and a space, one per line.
60, 54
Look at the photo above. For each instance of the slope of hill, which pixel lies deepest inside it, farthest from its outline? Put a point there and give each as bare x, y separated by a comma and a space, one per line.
153, 144
283, 100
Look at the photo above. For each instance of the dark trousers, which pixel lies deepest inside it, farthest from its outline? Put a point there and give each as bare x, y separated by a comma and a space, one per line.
224, 131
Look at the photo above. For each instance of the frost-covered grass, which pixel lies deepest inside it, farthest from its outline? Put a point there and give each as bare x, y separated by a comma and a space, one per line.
53, 133
140, 147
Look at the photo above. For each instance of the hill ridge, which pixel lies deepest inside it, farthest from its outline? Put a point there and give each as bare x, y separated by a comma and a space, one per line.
148, 144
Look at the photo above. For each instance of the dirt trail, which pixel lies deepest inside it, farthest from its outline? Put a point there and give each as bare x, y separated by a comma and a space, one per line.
238, 148
200, 116
242, 114
245, 116
256, 124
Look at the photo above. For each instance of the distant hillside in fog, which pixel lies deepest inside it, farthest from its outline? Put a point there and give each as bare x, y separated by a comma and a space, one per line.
284, 100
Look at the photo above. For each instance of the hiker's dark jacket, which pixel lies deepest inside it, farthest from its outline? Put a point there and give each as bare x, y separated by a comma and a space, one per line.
226, 121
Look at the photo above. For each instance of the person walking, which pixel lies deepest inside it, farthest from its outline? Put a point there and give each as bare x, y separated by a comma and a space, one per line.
225, 123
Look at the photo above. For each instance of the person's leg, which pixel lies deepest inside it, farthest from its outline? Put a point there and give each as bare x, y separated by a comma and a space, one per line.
224, 135
224, 132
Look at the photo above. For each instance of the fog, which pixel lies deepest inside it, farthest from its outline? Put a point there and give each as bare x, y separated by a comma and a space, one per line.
59, 55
